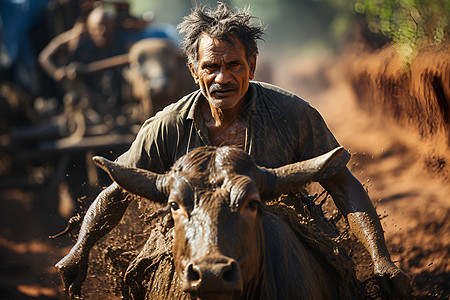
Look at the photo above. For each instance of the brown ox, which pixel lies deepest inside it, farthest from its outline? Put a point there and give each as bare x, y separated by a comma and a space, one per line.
226, 245
157, 74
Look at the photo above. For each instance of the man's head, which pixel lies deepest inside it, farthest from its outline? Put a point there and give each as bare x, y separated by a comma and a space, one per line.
221, 49
100, 27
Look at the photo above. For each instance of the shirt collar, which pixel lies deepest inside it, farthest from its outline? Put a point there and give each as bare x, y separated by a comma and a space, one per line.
197, 97
252, 96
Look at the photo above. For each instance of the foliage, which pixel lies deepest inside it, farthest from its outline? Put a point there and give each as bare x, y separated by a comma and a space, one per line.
409, 23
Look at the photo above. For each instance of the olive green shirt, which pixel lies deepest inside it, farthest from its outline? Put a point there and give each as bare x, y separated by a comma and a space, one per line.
281, 129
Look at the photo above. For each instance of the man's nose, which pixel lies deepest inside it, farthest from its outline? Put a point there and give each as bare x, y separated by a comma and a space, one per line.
101, 29
223, 75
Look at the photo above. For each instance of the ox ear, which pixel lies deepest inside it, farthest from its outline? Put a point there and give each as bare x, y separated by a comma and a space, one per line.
136, 181
291, 177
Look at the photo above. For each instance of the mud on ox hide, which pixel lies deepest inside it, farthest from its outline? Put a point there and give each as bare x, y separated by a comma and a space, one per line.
226, 245
157, 74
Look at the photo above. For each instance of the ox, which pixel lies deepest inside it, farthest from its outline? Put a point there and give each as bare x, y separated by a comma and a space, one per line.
226, 245
157, 74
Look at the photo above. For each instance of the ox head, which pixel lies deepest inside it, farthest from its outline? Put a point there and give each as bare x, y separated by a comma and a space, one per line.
152, 73
215, 197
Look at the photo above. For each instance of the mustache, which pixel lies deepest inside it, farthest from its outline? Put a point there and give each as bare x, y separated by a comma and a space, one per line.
217, 87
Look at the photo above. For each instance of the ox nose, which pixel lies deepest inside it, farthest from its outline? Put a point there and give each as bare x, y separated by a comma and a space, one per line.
158, 85
213, 275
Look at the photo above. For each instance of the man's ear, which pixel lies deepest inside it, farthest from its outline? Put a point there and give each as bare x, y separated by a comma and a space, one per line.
252, 64
193, 73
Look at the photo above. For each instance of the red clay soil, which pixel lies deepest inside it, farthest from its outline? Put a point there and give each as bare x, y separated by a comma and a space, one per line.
415, 97
404, 168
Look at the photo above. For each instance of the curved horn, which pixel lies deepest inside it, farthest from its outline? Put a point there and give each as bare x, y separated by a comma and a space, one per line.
136, 181
292, 176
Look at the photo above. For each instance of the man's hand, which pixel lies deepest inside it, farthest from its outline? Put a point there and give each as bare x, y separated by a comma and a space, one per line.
60, 74
75, 70
73, 269
393, 282
70, 72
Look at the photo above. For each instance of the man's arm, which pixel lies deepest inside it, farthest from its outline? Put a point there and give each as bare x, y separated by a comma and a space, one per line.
353, 201
102, 216
64, 42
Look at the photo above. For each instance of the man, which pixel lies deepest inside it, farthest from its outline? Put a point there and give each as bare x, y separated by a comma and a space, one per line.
272, 125
67, 56
85, 42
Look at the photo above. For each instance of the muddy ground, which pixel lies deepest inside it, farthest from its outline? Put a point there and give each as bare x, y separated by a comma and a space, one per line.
414, 202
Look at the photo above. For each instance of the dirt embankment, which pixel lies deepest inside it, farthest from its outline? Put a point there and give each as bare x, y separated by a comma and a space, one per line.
394, 121
415, 96
412, 172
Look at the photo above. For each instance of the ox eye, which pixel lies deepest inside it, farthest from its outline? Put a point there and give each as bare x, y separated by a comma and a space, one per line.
253, 204
174, 205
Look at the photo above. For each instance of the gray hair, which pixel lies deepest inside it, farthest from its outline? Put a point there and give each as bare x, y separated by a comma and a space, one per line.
222, 24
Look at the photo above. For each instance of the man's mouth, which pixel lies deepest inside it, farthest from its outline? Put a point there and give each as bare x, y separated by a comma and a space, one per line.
222, 93
222, 90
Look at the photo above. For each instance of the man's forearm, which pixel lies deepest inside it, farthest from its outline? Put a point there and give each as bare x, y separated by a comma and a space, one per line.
366, 226
353, 201
367, 229
102, 216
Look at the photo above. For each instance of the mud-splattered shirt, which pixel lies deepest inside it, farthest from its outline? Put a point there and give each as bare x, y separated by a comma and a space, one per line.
281, 129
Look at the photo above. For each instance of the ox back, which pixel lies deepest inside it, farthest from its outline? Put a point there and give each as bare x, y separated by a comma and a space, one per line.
292, 271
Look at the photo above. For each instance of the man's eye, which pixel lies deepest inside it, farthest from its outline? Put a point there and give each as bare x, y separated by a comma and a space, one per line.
209, 67
174, 205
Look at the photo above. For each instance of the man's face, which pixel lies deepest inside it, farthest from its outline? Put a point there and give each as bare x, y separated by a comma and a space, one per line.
100, 28
223, 71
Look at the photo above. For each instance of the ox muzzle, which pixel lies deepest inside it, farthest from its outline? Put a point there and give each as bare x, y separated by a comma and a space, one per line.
213, 276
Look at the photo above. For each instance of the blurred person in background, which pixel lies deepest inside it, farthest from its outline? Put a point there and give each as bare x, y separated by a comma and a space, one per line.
67, 57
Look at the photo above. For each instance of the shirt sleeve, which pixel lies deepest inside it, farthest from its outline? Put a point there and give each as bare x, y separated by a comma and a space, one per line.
150, 148
317, 139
